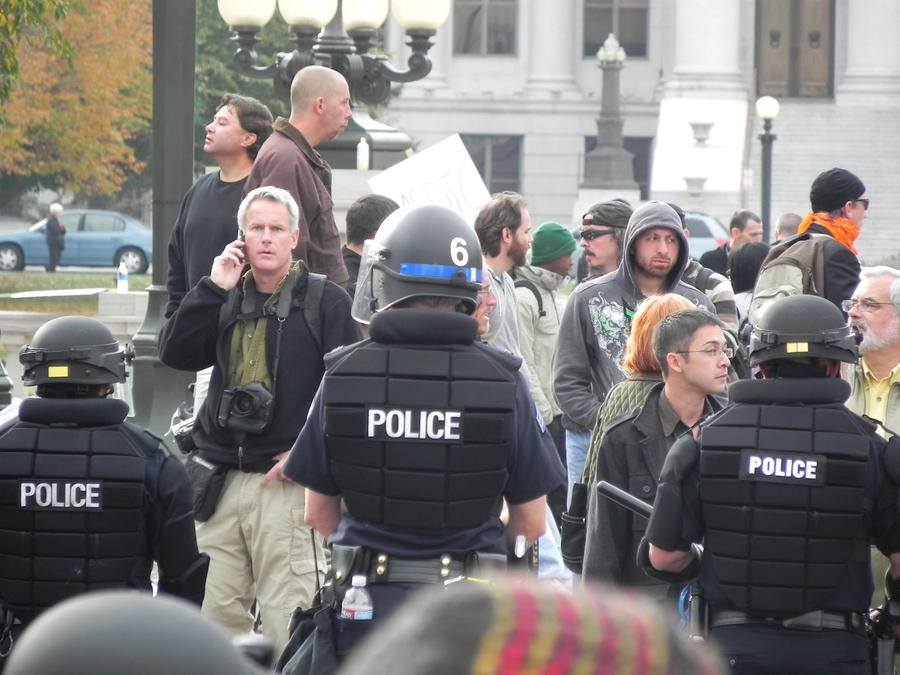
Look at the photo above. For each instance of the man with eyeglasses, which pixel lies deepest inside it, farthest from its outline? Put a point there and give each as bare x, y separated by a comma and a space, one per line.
694, 355
597, 321
786, 488
601, 238
874, 313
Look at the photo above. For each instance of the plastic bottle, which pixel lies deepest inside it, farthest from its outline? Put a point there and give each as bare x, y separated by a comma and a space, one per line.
122, 278
357, 605
362, 154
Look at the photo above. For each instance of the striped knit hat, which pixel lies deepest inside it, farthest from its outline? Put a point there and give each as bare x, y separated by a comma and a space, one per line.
523, 626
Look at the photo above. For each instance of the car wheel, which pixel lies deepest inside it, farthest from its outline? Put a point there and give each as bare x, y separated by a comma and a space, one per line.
135, 261
11, 258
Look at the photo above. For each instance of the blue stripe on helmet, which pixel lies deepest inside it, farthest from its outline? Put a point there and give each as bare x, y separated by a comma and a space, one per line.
439, 271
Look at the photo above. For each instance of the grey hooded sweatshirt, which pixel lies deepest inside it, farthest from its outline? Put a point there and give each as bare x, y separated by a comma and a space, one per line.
597, 321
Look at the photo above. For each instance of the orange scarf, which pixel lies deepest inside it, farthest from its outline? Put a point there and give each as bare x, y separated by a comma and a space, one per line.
842, 229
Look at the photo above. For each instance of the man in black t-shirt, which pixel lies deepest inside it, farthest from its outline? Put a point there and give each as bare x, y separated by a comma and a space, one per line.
207, 220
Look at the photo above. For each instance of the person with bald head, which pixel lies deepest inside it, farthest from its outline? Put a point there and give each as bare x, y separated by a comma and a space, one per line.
320, 110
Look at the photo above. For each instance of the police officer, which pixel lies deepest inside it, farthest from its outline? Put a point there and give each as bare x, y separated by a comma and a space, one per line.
87, 500
786, 488
421, 430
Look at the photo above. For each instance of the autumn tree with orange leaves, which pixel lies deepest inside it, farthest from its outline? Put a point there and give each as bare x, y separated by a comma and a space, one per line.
74, 124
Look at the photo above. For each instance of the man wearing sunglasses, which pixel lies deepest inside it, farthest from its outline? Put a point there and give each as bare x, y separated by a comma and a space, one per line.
821, 259
602, 238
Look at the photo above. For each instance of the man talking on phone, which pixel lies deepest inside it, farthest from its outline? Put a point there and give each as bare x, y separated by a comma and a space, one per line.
263, 322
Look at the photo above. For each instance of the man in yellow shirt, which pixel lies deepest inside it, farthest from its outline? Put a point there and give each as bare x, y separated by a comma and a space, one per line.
874, 312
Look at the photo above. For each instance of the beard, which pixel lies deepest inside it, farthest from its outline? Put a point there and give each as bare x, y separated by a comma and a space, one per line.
872, 343
518, 254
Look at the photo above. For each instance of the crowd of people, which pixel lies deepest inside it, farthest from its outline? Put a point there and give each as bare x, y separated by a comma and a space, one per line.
749, 396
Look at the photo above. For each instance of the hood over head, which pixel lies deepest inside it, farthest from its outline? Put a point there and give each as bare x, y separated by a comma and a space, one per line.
648, 216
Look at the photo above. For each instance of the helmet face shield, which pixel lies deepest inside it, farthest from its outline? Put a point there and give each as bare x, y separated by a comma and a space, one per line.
364, 299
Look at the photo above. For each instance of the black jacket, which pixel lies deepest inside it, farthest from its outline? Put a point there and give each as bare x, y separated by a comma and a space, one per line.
190, 340
630, 456
841, 268
716, 259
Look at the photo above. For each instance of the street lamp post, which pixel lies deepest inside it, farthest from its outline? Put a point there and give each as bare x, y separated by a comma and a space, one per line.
609, 165
767, 109
340, 35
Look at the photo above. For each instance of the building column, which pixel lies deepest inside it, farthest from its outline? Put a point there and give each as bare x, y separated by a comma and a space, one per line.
873, 52
706, 46
551, 47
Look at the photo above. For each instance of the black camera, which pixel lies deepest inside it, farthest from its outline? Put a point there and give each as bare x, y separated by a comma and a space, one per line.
248, 408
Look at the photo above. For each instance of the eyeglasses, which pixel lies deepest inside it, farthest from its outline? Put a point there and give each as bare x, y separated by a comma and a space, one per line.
712, 352
587, 235
865, 304
864, 201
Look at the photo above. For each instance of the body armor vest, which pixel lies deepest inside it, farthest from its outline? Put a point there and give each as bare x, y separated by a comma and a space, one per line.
418, 436
72, 505
784, 504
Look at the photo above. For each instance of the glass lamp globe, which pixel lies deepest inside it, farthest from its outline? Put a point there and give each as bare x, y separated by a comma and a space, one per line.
247, 12
306, 12
421, 14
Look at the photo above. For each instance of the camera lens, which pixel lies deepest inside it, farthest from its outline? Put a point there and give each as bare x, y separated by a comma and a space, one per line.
243, 404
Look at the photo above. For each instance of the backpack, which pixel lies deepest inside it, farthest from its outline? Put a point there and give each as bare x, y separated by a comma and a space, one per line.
795, 266
525, 283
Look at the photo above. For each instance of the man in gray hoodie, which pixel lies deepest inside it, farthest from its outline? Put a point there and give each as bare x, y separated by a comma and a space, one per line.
597, 321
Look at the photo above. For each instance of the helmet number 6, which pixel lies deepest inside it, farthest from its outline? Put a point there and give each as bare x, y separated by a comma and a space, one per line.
459, 254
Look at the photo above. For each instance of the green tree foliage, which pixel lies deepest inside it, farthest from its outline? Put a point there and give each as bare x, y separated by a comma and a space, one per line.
73, 123
35, 21
215, 74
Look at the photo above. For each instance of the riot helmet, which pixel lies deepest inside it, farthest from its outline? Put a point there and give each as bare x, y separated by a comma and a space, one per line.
114, 632
74, 350
802, 326
419, 251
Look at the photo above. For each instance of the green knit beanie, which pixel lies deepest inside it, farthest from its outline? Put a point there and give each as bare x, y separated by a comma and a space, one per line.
551, 241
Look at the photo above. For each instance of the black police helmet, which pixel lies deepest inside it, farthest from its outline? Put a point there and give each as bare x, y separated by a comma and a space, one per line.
802, 326
115, 632
73, 350
426, 251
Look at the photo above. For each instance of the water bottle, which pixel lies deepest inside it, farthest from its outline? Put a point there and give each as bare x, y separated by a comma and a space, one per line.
362, 154
122, 278
357, 605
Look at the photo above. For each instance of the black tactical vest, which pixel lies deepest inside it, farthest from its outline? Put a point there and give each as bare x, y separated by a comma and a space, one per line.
72, 518
784, 504
418, 436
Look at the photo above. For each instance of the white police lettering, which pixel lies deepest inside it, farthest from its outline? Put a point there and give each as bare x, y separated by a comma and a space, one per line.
782, 467
60, 494
408, 424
